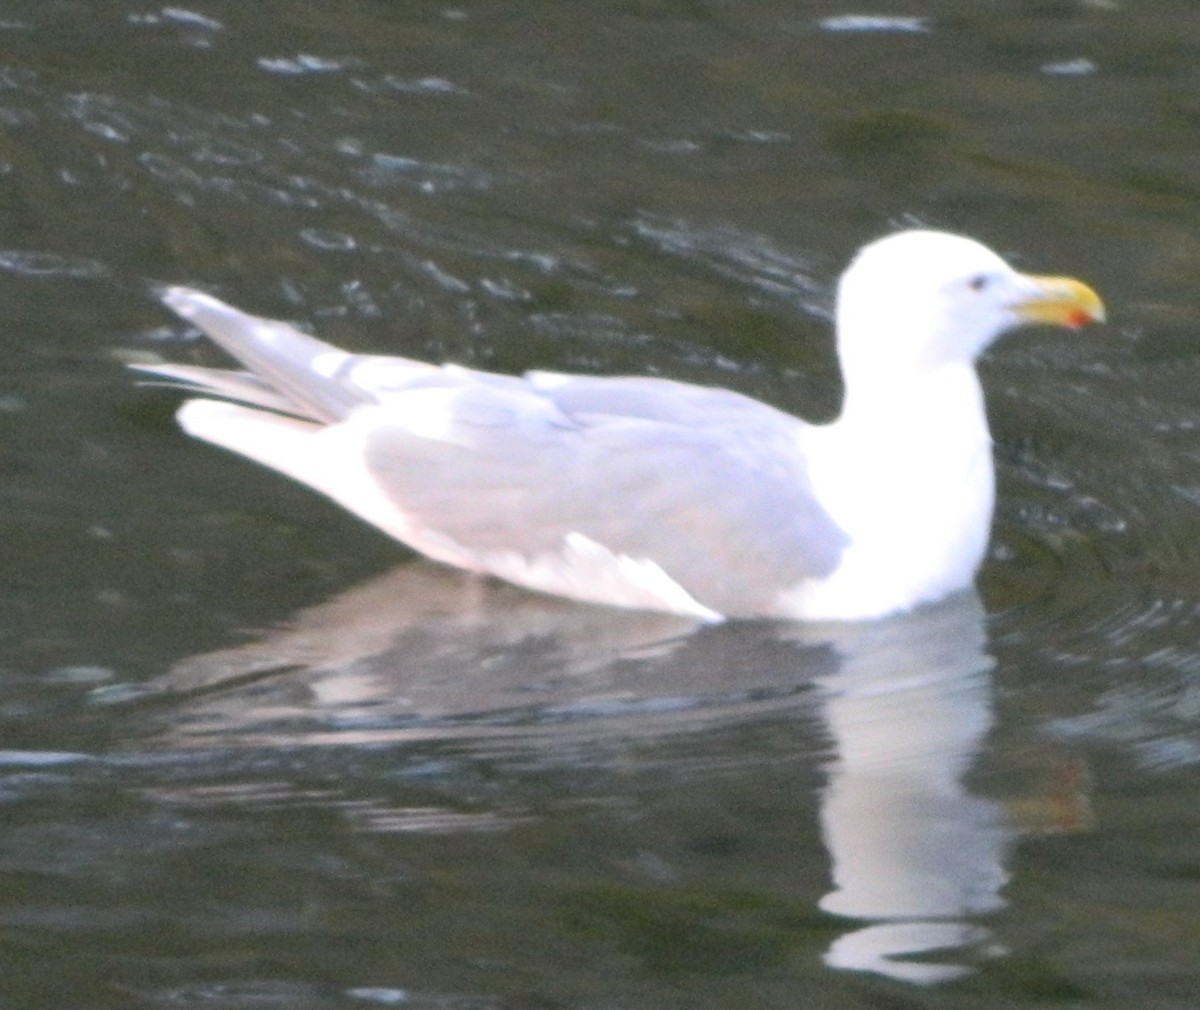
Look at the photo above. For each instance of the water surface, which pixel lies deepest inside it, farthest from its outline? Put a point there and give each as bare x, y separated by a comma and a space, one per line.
252, 754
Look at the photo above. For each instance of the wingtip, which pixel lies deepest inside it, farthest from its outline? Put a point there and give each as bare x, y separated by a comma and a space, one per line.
187, 302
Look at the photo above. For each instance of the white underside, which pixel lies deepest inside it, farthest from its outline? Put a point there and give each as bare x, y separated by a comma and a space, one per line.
330, 459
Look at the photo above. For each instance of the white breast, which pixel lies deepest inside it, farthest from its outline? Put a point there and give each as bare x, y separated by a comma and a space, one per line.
911, 482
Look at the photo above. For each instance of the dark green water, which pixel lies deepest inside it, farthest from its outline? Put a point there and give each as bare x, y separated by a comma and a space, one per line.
254, 755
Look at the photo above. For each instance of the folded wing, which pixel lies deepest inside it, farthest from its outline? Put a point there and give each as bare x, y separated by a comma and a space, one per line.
635, 491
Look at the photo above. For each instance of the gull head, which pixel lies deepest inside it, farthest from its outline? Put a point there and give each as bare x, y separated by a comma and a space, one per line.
917, 300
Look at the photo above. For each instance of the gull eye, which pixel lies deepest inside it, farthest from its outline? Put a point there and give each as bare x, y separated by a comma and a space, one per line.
978, 282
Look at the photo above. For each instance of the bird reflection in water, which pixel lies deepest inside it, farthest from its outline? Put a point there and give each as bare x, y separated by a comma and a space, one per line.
916, 856
918, 861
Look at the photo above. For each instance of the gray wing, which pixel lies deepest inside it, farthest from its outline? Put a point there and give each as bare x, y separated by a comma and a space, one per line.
292, 372
489, 470
708, 485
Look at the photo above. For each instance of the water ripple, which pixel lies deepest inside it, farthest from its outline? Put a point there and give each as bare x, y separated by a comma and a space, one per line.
44, 264
425, 177
306, 63
862, 23
179, 16
751, 260
436, 86
1093, 578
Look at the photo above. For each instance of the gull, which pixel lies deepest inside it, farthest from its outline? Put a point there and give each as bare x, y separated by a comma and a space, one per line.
654, 494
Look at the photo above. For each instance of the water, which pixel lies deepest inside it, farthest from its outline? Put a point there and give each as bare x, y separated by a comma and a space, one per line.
252, 755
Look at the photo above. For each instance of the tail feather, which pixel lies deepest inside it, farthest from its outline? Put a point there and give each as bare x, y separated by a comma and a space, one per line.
304, 370
238, 387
